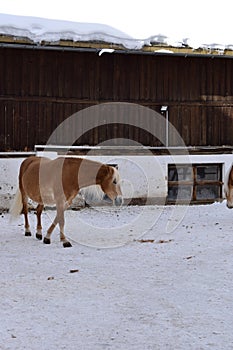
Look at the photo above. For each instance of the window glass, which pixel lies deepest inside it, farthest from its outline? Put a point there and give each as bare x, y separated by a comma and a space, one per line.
208, 172
194, 183
207, 192
180, 173
180, 193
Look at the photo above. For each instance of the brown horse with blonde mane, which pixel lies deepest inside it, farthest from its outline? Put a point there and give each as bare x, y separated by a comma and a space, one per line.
57, 182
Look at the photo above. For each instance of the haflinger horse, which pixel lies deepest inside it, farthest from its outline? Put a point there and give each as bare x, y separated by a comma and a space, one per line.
57, 182
228, 187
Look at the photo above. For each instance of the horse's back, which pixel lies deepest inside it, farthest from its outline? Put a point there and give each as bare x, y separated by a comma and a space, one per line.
30, 167
32, 161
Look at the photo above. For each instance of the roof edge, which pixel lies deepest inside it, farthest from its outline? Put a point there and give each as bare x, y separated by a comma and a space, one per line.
155, 48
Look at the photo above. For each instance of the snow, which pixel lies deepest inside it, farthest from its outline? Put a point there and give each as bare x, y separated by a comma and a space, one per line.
51, 30
149, 290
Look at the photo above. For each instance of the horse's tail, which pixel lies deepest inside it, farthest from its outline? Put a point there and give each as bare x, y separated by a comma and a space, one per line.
17, 205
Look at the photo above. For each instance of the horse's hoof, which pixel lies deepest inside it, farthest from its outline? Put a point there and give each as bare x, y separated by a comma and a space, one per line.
67, 244
28, 234
46, 240
39, 236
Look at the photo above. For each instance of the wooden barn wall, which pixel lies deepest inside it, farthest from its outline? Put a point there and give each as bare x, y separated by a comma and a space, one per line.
41, 88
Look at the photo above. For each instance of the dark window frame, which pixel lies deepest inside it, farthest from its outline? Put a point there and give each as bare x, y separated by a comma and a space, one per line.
195, 181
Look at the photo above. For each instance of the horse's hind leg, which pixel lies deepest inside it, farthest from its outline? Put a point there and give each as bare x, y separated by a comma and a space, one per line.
39, 210
27, 226
25, 213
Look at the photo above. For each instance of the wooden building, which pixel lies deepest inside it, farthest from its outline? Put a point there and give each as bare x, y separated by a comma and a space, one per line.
42, 85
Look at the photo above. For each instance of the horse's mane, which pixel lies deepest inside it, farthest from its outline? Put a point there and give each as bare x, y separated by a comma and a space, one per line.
92, 194
226, 179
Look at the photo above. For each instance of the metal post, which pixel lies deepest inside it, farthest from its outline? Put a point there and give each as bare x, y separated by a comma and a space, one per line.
165, 109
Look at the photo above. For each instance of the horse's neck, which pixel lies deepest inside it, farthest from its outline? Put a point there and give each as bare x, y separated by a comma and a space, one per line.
87, 173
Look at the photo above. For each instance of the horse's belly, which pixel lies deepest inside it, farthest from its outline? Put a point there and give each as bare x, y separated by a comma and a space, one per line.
48, 197
43, 197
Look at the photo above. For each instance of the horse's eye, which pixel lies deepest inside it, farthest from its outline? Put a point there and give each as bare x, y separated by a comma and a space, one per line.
115, 181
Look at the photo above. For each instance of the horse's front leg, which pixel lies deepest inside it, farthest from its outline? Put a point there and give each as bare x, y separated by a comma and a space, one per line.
47, 239
59, 219
61, 222
39, 210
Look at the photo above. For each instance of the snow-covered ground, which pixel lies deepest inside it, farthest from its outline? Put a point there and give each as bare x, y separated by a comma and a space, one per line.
138, 287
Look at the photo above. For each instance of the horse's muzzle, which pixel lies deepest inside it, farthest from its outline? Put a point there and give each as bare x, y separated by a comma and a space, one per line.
119, 201
107, 199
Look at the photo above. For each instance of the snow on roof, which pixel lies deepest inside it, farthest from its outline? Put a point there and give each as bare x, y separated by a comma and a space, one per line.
49, 30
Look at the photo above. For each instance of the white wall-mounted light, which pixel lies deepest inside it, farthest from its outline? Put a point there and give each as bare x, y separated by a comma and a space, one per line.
164, 108
105, 51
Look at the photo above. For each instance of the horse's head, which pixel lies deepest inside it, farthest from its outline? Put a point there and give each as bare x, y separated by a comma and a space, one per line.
228, 188
109, 179
229, 197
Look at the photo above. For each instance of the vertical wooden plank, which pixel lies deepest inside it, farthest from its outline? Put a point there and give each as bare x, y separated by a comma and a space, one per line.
203, 123
229, 78
175, 121
2, 126
3, 69
9, 144
19, 127
93, 78
108, 77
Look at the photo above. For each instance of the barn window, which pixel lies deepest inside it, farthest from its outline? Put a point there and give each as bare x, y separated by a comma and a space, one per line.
195, 183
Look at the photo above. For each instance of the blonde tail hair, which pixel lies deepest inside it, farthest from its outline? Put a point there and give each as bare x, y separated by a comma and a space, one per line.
17, 205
